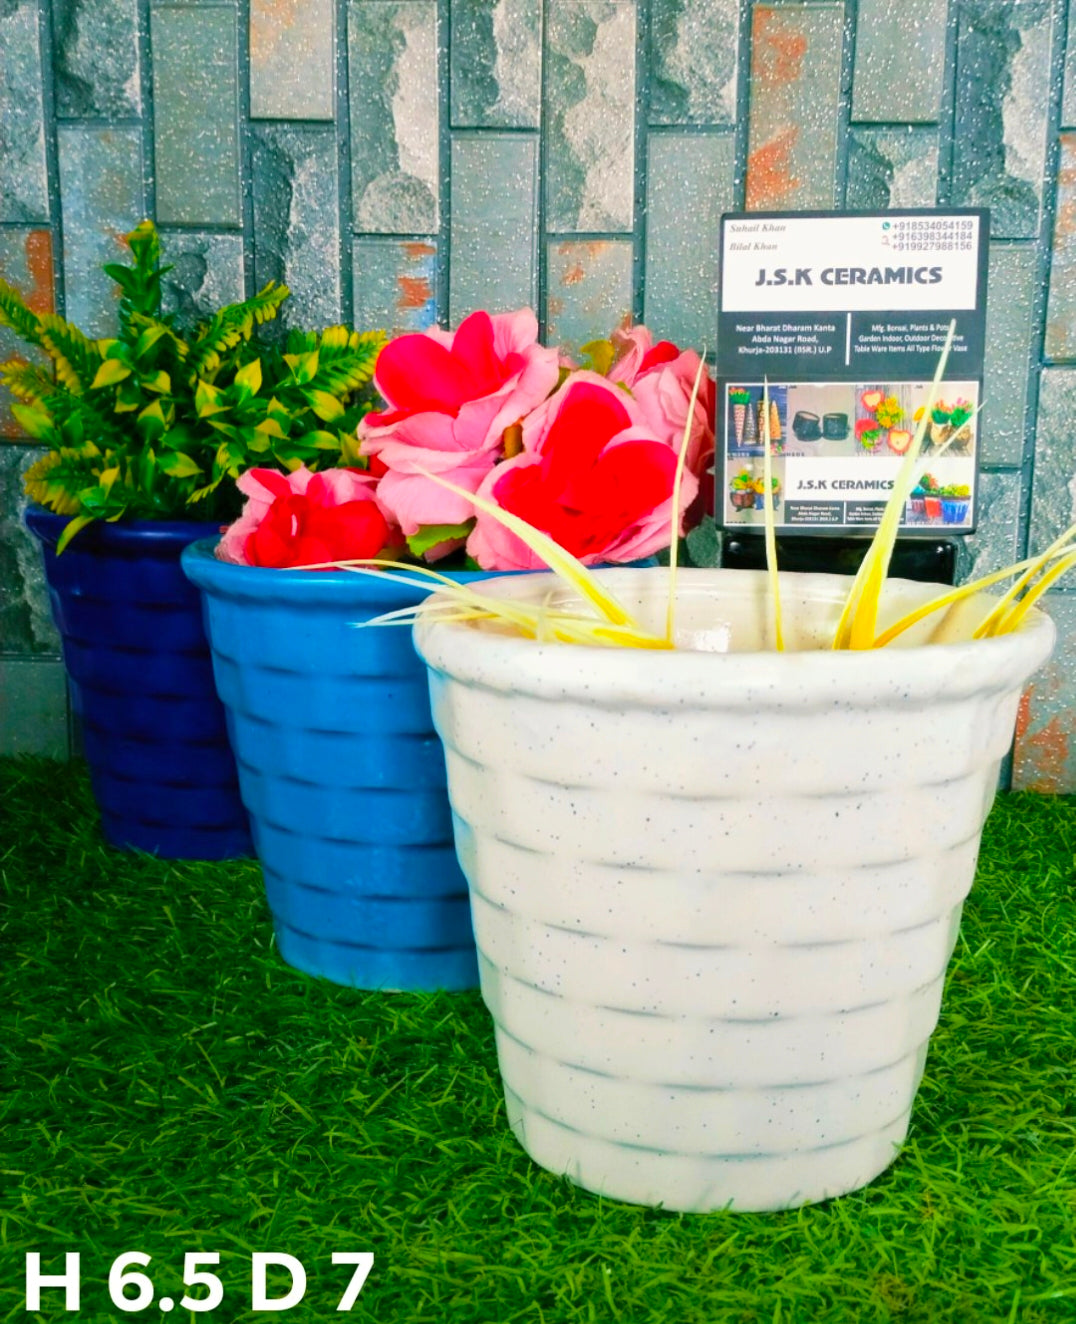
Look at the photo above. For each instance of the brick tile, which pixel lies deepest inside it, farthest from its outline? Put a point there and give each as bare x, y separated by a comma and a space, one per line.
892, 168
25, 618
26, 263
900, 61
494, 220
995, 544
694, 52
1045, 753
38, 722
1003, 72
24, 194
1053, 492
496, 79
207, 273
1061, 306
590, 289
395, 282
690, 182
297, 222
795, 87
1068, 101
95, 58
395, 116
1009, 329
196, 106
101, 201
291, 59
590, 112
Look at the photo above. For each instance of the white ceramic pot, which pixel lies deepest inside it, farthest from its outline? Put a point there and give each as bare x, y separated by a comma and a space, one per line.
714, 896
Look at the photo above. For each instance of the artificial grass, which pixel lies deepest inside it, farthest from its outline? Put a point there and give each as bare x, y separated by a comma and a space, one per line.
168, 1085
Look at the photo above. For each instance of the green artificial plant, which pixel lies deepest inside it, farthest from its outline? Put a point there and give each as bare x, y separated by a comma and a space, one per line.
157, 422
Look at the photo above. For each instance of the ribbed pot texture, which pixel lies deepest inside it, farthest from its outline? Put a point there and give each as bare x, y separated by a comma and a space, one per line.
342, 773
154, 731
715, 893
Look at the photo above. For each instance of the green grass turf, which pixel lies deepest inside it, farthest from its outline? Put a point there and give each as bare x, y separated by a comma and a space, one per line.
168, 1085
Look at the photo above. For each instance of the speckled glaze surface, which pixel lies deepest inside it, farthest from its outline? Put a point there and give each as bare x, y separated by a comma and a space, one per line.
342, 773
153, 729
714, 895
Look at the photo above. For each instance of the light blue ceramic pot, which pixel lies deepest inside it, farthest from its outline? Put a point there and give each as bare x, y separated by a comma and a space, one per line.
341, 771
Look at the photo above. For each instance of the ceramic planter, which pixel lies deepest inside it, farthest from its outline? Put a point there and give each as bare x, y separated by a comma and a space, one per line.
954, 510
153, 730
715, 895
805, 425
342, 774
835, 426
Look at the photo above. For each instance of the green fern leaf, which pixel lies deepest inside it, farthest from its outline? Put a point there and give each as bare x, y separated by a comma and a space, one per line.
82, 411
27, 381
201, 493
140, 284
266, 303
346, 363
17, 316
228, 326
76, 357
163, 332
36, 423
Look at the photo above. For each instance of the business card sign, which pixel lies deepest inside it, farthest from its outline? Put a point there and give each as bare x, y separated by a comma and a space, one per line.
926, 263
845, 316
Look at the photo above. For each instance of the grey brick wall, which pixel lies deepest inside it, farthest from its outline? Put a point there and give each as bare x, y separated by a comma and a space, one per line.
401, 162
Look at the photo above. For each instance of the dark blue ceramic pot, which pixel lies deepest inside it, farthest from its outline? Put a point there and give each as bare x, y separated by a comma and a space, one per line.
154, 731
341, 771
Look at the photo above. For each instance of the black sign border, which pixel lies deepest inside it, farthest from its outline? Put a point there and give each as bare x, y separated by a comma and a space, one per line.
722, 452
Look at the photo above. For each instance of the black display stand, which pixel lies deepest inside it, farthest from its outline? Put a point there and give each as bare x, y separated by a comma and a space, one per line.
931, 561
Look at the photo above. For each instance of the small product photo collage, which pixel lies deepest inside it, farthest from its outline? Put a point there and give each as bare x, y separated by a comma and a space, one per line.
837, 445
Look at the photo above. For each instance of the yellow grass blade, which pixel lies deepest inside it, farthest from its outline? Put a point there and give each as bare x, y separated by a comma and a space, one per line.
469, 603
517, 613
1011, 621
859, 618
678, 482
769, 518
559, 560
989, 625
946, 600
864, 621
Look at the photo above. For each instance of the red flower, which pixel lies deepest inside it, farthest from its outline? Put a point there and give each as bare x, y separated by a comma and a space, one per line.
661, 378
298, 531
450, 396
302, 519
418, 374
592, 475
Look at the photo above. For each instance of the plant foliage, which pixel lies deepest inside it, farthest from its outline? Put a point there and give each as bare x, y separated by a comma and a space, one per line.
158, 422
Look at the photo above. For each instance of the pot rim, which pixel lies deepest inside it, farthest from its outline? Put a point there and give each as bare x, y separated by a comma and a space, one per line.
147, 535
911, 676
253, 583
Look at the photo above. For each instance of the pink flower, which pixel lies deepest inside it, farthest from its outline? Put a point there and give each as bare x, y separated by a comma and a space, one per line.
592, 475
661, 377
450, 397
304, 518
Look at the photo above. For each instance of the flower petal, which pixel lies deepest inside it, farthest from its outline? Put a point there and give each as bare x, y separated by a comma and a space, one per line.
415, 373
